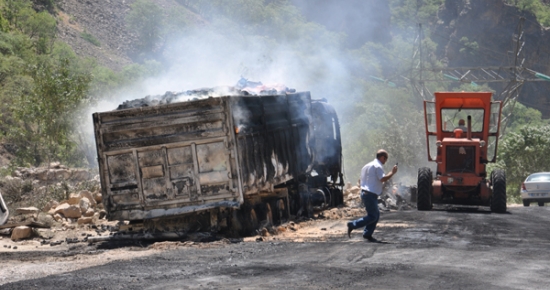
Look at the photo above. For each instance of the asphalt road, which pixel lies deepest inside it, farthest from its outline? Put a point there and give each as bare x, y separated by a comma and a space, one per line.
441, 249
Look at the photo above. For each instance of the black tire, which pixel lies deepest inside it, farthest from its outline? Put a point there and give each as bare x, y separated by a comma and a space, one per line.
424, 189
251, 221
526, 203
279, 207
541, 203
498, 202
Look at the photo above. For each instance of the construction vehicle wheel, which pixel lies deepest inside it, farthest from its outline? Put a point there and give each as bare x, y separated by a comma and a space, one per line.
498, 202
526, 203
541, 203
424, 189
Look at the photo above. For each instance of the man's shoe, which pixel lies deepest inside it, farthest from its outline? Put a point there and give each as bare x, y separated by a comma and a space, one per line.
371, 239
350, 228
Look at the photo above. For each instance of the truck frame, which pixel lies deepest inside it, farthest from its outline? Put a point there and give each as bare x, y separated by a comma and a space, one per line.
462, 152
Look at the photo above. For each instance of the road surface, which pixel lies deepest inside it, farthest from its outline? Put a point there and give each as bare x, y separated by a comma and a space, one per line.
447, 248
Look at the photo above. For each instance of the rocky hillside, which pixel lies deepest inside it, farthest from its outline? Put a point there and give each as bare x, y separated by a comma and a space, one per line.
490, 23
103, 19
493, 24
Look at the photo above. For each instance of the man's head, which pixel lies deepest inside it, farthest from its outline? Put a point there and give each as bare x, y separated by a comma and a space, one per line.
382, 155
461, 122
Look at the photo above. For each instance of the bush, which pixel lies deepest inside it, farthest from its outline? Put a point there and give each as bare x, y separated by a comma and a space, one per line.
90, 38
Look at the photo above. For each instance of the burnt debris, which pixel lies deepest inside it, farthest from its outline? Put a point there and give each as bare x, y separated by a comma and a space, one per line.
243, 87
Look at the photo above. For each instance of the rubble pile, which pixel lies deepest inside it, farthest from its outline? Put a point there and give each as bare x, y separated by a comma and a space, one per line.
80, 208
394, 197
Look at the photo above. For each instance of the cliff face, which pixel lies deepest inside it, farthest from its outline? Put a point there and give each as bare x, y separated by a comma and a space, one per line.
492, 24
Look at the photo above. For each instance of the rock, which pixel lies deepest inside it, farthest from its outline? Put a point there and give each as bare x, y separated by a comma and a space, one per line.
44, 233
98, 197
60, 208
84, 204
89, 196
45, 219
27, 210
20, 233
74, 198
58, 217
89, 212
85, 220
72, 211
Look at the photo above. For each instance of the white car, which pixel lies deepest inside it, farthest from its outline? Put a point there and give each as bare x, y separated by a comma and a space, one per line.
536, 188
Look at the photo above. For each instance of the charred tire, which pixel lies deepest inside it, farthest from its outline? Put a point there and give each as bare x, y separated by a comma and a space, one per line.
268, 214
251, 220
279, 208
526, 203
498, 202
541, 203
424, 189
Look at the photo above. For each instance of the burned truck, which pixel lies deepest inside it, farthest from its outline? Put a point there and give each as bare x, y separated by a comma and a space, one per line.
229, 162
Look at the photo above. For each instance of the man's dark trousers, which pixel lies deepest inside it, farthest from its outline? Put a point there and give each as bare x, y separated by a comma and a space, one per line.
370, 200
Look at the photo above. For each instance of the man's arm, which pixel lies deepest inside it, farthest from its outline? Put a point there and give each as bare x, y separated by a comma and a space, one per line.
389, 175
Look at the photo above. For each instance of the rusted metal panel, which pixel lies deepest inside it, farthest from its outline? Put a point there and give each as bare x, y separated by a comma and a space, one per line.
166, 160
273, 139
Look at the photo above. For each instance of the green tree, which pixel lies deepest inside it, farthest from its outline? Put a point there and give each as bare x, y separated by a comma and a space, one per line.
46, 113
521, 153
469, 47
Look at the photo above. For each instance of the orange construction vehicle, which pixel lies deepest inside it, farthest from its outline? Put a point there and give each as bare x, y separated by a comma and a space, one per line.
462, 130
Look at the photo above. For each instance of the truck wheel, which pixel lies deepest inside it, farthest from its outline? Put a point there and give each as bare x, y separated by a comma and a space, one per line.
526, 203
268, 215
541, 203
498, 202
279, 211
236, 223
252, 222
424, 189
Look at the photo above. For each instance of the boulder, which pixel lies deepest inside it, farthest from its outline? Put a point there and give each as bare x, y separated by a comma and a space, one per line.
89, 212
73, 211
44, 233
97, 196
89, 196
58, 217
74, 198
84, 204
85, 220
60, 208
27, 210
20, 233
